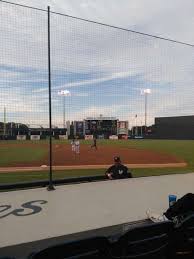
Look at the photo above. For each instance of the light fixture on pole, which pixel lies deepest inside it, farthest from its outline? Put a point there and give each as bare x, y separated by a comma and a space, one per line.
145, 92
64, 93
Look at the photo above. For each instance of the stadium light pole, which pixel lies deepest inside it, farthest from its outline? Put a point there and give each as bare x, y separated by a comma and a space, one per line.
64, 93
141, 130
133, 127
4, 123
136, 131
145, 92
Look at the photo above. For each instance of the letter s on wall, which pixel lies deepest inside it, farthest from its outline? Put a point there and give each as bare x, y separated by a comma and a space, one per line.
27, 205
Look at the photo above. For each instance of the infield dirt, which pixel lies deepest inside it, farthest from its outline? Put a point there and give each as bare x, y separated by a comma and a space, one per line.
63, 156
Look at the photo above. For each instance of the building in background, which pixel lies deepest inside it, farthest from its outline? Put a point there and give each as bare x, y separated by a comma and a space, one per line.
11, 130
79, 129
141, 131
101, 127
179, 127
122, 129
68, 123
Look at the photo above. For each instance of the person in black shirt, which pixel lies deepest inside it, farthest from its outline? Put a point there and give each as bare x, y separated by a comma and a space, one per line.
94, 143
118, 171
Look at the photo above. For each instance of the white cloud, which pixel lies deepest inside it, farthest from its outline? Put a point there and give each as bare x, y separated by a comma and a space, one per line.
98, 80
150, 16
40, 90
81, 94
92, 111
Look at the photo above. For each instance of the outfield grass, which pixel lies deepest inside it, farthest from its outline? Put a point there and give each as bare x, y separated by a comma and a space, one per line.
179, 148
13, 155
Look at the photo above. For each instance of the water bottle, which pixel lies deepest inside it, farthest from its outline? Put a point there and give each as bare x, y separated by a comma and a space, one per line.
172, 199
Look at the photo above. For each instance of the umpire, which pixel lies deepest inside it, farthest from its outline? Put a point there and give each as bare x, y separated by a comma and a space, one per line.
118, 171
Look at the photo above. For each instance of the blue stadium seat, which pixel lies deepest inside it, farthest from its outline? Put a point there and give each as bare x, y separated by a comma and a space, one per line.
182, 239
97, 247
144, 242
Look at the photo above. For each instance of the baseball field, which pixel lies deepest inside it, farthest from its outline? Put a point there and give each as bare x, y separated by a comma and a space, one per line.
28, 160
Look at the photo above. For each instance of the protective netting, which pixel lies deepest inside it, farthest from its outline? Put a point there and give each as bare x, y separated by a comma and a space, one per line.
98, 73
106, 71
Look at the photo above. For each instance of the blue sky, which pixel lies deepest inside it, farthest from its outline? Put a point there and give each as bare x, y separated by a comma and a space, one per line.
104, 69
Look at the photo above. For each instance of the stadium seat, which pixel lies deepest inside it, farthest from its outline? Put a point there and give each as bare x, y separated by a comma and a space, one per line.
97, 247
145, 242
182, 239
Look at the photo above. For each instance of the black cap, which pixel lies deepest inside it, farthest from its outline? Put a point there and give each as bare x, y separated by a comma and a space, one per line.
117, 159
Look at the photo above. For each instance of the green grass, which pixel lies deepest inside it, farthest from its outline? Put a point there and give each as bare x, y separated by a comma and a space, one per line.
183, 149
43, 175
36, 176
13, 155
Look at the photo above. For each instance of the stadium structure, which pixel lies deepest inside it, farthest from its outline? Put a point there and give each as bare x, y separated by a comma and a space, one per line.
100, 127
20, 131
178, 127
103, 127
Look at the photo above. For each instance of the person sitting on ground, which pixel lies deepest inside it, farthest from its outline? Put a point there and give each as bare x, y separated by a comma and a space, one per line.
180, 209
118, 170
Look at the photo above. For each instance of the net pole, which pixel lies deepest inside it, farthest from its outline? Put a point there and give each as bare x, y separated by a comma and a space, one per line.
50, 186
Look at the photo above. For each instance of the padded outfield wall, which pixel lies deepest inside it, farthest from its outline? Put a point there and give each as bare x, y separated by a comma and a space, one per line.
179, 127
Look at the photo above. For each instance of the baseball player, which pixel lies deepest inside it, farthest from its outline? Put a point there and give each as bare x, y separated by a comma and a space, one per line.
73, 145
94, 145
77, 146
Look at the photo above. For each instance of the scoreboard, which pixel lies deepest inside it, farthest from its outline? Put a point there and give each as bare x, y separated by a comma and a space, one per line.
79, 128
123, 127
101, 127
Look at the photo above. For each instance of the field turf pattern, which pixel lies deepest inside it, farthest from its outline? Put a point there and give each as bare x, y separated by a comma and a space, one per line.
179, 148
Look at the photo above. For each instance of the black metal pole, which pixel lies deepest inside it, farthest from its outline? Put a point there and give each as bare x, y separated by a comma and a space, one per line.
50, 186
